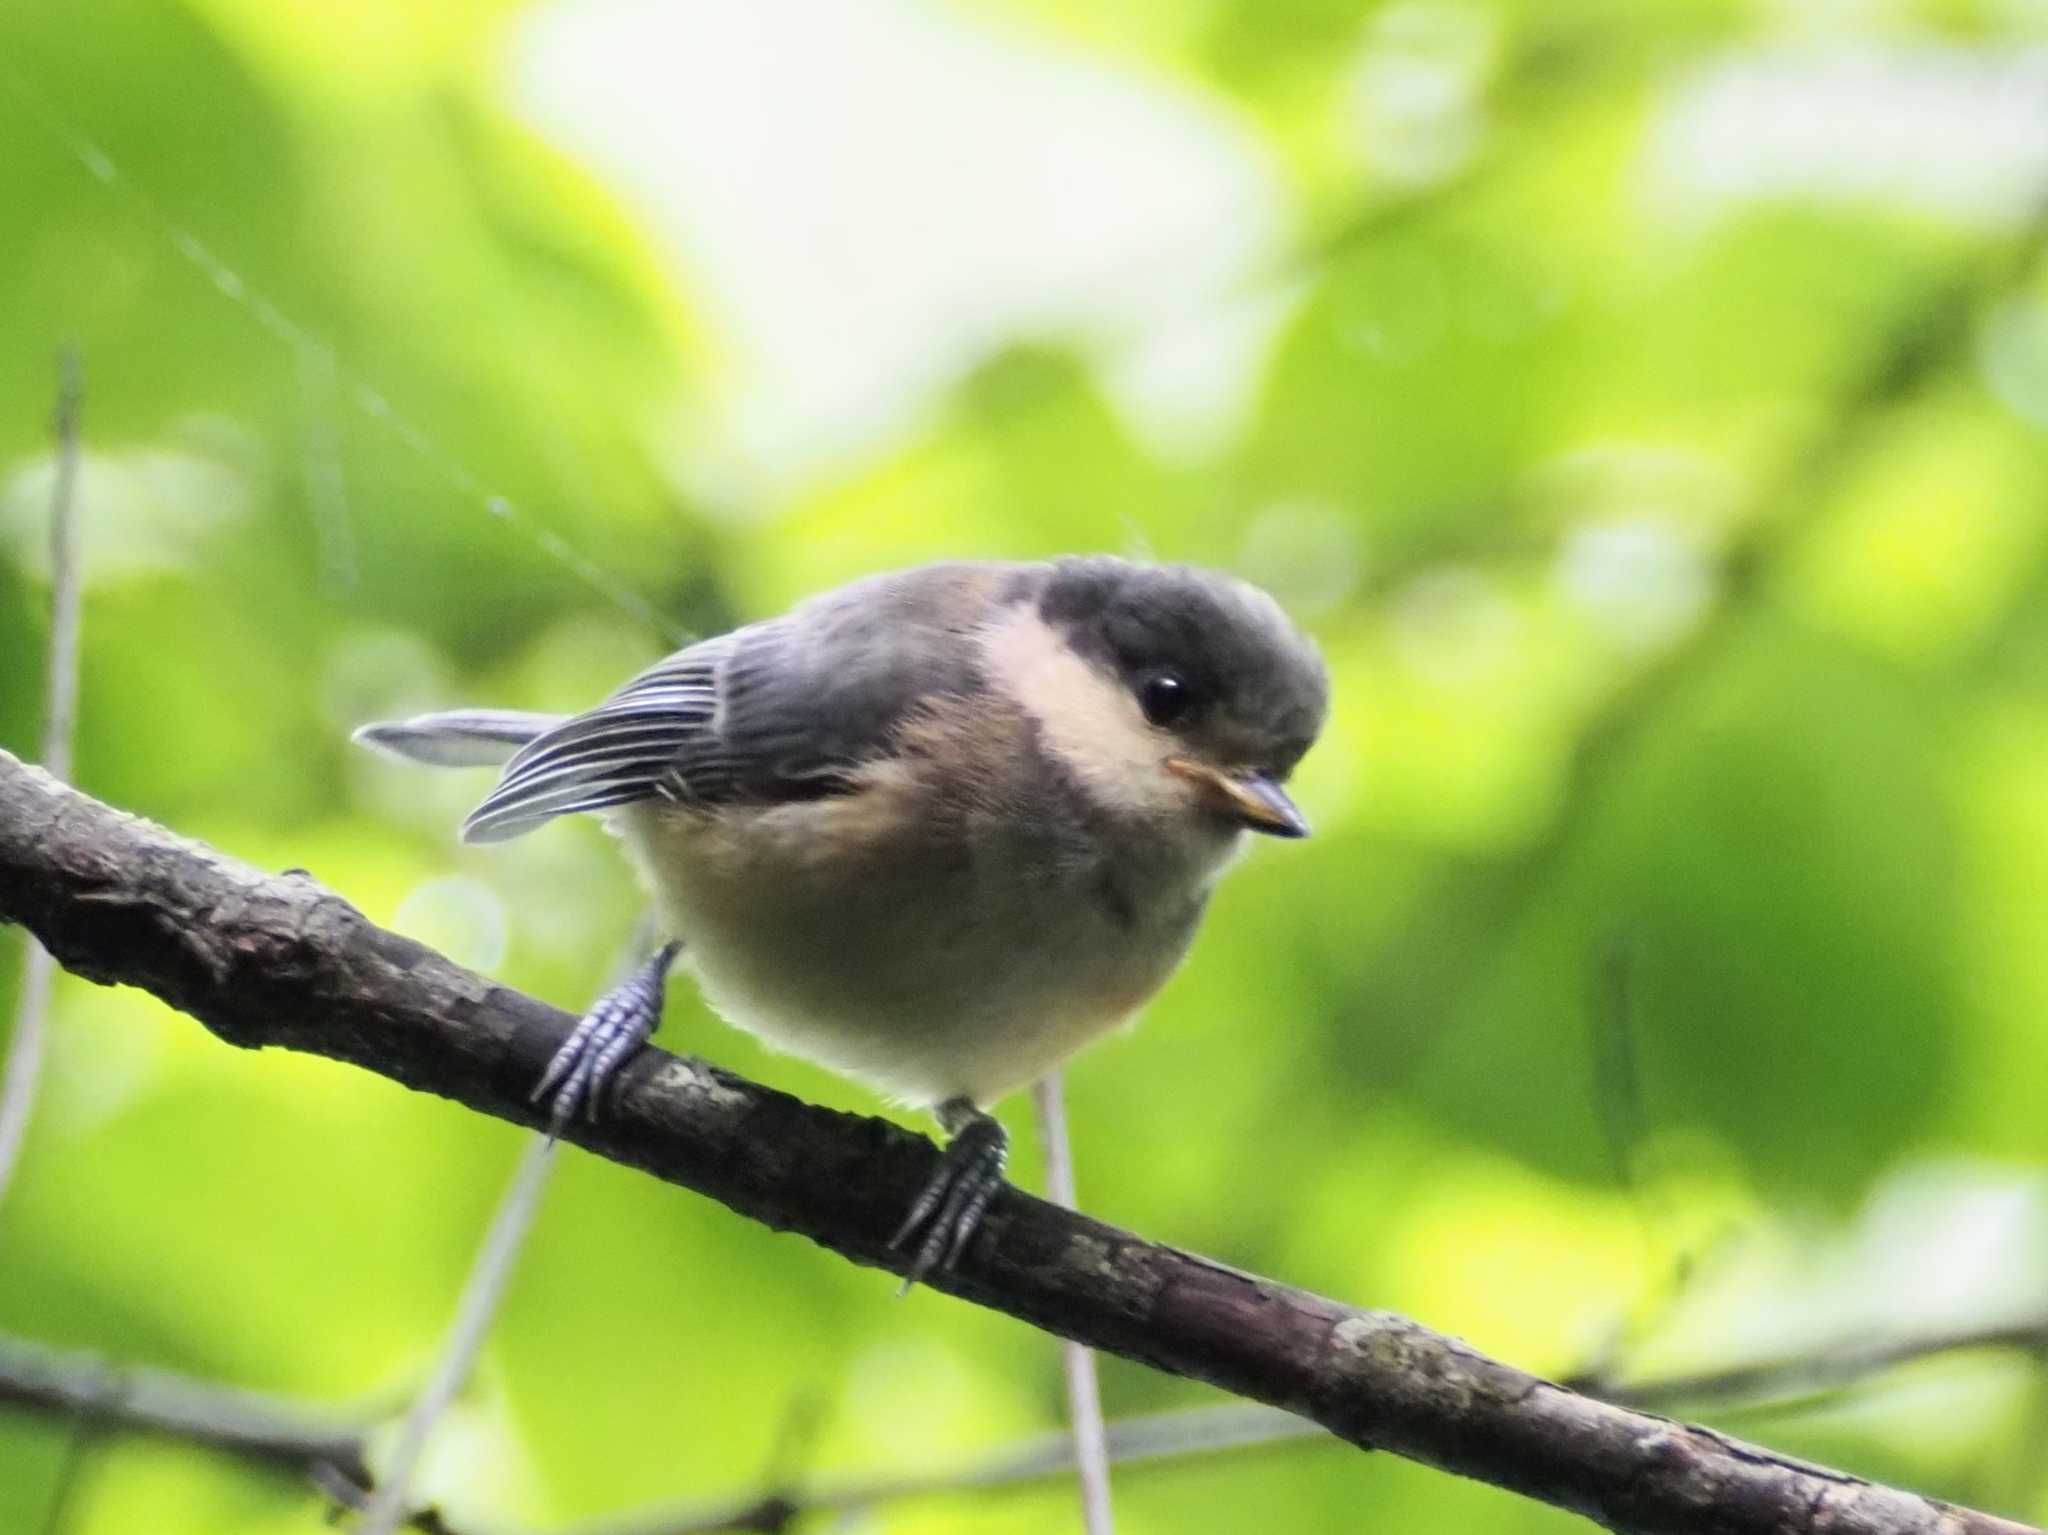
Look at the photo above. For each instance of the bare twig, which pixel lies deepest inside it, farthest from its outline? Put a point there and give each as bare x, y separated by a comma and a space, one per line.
1801, 1376
279, 961
71, 1470
1149, 1440
66, 576
1162, 1438
346, 1493
1077, 1362
1617, 1077
60, 709
481, 1293
325, 483
329, 1446
270, 1430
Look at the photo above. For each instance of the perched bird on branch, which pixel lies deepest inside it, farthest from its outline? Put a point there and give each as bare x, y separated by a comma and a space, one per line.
936, 829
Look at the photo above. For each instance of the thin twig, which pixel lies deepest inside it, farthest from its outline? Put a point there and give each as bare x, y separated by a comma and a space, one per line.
251, 1425
384, 1507
346, 1493
285, 1433
388, 1504
326, 483
71, 1475
1765, 1383
61, 688
1617, 1075
1154, 1439
1077, 1361
60, 712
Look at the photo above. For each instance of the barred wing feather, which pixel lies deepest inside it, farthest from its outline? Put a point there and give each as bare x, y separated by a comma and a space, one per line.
638, 744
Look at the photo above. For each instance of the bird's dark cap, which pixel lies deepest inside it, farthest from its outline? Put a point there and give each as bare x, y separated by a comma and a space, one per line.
1258, 679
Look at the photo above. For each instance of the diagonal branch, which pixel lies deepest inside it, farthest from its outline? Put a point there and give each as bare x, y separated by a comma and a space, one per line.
264, 960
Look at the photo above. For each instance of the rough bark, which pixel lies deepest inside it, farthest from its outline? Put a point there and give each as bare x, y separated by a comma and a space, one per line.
279, 960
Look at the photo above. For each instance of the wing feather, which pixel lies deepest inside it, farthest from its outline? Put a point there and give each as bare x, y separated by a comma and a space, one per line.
627, 748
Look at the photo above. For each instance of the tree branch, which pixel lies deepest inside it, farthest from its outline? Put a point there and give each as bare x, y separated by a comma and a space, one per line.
264, 960
276, 1431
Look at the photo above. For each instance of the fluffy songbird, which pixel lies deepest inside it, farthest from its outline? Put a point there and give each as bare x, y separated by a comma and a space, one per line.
936, 829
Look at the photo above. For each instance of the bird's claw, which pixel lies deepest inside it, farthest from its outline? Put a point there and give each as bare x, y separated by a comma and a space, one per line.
948, 1210
618, 1024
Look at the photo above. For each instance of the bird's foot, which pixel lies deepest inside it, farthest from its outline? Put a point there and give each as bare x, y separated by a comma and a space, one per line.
618, 1023
945, 1215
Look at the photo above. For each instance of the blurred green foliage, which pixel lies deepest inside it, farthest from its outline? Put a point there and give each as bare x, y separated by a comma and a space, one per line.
1668, 966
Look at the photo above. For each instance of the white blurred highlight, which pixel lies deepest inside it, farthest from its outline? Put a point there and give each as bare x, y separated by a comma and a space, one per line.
871, 196
1939, 1248
1643, 523
1947, 129
1416, 91
1454, 625
1306, 553
141, 511
1643, 581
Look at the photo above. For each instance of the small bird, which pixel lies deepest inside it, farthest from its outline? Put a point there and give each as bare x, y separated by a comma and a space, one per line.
936, 829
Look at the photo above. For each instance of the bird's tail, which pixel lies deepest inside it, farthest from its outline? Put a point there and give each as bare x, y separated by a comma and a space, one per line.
458, 738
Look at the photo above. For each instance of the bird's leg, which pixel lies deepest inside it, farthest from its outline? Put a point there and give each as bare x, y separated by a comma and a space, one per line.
945, 1214
618, 1023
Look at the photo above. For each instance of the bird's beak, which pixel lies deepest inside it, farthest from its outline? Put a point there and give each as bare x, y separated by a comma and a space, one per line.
1251, 799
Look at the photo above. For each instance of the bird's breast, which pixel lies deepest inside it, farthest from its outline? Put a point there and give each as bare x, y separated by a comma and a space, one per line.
931, 948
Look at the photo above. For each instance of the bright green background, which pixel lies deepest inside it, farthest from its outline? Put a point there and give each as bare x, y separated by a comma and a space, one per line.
1814, 818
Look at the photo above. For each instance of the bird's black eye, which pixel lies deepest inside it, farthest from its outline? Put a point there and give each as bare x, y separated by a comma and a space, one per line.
1164, 697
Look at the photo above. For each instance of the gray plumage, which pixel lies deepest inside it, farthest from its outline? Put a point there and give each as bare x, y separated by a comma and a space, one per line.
940, 827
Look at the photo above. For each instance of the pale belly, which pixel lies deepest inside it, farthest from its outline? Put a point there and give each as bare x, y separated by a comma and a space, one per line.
907, 963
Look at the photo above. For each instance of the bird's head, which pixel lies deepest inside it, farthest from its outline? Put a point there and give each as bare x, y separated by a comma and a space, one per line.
1194, 694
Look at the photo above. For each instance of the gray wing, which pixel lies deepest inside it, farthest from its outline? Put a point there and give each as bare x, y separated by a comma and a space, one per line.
779, 711
625, 749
